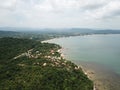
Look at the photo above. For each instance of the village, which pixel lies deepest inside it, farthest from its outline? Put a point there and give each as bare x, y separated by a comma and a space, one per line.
53, 56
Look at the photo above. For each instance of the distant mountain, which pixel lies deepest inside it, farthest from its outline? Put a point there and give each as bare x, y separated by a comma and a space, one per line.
76, 30
8, 33
107, 32
91, 31
82, 31
14, 29
28, 32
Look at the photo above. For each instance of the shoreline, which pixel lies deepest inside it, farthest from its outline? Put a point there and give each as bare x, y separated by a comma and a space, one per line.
102, 79
83, 69
98, 74
74, 36
90, 75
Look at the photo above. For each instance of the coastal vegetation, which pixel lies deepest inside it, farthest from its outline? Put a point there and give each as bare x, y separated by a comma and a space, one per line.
45, 34
31, 65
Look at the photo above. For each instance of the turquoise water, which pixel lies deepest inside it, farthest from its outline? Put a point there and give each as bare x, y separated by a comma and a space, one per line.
100, 49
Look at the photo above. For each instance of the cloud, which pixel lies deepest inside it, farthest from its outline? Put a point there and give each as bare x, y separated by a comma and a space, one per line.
7, 4
94, 8
59, 12
111, 9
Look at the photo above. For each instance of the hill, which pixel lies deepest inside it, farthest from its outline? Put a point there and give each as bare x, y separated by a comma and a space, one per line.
107, 32
30, 65
47, 33
8, 33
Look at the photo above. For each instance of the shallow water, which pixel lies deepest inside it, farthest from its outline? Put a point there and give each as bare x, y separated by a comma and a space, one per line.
97, 53
102, 49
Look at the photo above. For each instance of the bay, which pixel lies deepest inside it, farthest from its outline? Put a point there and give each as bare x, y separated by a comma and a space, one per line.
102, 49
97, 53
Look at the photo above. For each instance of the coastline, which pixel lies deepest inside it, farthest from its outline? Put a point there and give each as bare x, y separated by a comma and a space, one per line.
102, 78
63, 56
90, 75
83, 69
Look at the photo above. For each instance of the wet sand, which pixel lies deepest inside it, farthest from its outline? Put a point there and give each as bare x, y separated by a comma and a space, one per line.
103, 78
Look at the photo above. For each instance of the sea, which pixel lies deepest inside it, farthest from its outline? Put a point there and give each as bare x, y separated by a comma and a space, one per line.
98, 52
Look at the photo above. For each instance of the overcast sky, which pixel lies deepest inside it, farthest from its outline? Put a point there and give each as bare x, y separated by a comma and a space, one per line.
60, 13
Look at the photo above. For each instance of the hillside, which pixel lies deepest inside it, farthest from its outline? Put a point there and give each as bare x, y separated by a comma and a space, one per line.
30, 65
44, 34
8, 33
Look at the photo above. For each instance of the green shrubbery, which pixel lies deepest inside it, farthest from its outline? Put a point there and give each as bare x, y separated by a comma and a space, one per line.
30, 73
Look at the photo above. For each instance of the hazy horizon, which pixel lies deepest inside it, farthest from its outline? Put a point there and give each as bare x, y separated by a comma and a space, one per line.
93, 14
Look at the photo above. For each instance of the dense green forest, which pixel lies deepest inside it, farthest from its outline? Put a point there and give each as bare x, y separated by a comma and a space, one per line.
31, 65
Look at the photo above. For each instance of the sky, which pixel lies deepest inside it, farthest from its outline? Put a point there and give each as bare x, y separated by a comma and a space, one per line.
60, 13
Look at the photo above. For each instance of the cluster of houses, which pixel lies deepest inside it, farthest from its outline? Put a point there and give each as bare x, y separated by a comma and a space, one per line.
55, 61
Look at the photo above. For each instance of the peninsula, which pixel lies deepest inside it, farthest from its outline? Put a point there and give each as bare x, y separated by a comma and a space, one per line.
31, 65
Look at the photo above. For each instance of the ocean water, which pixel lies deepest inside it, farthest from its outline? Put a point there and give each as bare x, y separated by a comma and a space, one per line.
100, 49
99, 54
